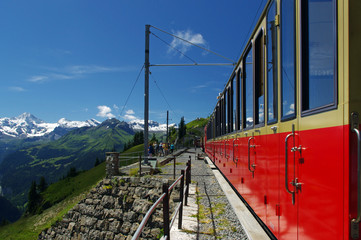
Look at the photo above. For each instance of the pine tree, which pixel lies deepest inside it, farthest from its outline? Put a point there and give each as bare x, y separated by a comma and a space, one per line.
33, 199
154, 139
97, 162
42, 185
182, 130
72, 172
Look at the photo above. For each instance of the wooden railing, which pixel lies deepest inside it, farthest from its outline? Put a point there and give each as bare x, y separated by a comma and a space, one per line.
167, 190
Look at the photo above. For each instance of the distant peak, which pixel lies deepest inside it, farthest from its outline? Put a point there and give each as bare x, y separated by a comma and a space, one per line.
28, 117
62, 120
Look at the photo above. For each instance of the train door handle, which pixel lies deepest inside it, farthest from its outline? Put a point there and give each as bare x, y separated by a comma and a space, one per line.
234, 153
249, 156
286, 167
355, 125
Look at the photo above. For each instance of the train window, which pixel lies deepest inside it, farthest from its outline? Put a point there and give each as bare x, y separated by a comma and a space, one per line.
221, 113
230, 103
288, 95
259, 78
225, 112
318, 55
235, 92
248, 88
218, 120
272, 64
239, 100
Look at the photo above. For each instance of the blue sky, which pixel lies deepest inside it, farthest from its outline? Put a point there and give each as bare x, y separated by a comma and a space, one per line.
79, 59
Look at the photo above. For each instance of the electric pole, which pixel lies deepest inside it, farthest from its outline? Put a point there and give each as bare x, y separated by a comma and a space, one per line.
146, 93
167, 126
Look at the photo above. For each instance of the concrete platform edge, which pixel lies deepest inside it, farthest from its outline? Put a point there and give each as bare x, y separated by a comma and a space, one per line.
253, 229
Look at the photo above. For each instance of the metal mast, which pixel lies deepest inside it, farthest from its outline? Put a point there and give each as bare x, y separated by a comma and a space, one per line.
146, 93
167, 126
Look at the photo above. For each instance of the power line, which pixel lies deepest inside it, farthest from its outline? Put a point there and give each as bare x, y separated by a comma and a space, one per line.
131, 91
251, 26
205, 49
174, 48
155, 82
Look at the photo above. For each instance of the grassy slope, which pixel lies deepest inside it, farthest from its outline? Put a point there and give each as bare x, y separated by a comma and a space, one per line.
195, 128
66, 193
79, 148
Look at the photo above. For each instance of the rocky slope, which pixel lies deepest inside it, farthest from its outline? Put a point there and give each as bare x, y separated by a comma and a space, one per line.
113, 210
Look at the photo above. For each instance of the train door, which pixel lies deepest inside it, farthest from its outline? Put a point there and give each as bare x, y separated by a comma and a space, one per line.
353, 169
271, 112
247, 142
258, 151
287, 211
320, 126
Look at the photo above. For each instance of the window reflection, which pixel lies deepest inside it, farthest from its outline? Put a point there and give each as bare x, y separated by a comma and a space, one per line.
272, 63
248, 88
288, 57
235, 105
319, 39
259, 78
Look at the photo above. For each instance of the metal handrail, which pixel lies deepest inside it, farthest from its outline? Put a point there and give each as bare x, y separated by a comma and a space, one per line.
358, 219
249, 155
147, 216
175, 182
184, 192
286, 168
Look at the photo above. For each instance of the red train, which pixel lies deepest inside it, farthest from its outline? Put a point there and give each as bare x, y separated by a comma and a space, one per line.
285, 130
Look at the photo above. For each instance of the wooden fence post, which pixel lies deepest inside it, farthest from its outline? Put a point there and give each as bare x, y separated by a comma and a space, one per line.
140, 165
174, 163
187, 183
181, 196
190, 163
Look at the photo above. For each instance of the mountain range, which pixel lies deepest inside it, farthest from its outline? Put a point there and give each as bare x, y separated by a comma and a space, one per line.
31, 148
79, 148
28, 126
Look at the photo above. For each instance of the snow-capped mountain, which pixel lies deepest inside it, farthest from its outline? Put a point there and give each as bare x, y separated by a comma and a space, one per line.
26, 126
138, 125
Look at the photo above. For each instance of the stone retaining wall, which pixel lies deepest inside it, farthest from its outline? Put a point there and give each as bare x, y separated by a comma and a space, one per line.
113, 210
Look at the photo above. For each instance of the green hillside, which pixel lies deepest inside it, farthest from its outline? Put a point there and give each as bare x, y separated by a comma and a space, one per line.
195, 130
66, 193
79, 148
62, 195
196, 127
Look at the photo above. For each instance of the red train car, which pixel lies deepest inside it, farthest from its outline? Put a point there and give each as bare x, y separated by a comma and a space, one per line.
285, 130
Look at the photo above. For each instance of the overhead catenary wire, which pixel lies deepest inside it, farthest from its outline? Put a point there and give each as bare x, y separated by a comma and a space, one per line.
193, 44
155, 82
131, 91
174, 48
251, 26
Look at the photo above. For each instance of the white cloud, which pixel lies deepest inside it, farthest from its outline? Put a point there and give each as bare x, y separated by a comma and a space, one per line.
129, 117
105, 111
38, 78
188, 35
76, 71
130, 111
87, 69
115, 107
196, 88
17, 89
